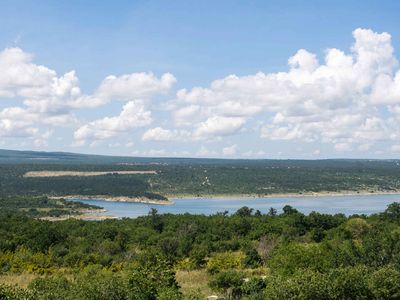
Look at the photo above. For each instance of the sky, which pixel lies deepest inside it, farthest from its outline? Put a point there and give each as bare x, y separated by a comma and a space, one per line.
232, 79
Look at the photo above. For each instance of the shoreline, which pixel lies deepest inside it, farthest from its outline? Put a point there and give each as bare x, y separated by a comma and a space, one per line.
99, 214
115, 199
282, 195
172, 197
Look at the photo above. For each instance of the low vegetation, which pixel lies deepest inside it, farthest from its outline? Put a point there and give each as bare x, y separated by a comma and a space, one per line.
247, 255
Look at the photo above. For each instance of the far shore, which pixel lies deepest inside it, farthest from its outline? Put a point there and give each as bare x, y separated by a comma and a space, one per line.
115, 199
281, 195
99, 214
173, 197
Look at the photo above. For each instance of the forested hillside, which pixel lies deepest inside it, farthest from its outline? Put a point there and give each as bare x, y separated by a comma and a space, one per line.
204, 177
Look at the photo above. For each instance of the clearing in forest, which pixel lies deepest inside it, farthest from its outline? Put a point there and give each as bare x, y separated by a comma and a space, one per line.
79, 173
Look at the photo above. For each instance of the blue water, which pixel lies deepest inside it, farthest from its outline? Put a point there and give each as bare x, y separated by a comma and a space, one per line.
360, 204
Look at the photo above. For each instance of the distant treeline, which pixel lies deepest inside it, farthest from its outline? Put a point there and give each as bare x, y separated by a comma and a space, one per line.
269, 177
224, 177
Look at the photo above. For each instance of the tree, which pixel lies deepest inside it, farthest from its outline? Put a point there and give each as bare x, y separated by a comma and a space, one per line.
151, 279
349, 283
272, 212
356, 228
385, 283
297, 256
393, 211
252, 259
229, 283
258, 213
289, 210
305, 284
244, 211
156, 221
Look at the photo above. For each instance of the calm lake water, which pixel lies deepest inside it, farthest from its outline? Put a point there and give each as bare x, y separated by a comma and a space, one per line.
360, 204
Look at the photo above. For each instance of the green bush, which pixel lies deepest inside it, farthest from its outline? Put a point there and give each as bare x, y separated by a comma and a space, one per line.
385, 283
224, 261
228, 283
13, 293
295, 256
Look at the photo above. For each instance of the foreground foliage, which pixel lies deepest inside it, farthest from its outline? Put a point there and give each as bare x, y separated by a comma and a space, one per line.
246, 255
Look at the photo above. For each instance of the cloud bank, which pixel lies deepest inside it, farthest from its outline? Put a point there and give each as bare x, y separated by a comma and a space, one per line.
337, 101
347, 100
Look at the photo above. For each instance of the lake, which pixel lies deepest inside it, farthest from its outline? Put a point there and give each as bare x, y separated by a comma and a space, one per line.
354, 204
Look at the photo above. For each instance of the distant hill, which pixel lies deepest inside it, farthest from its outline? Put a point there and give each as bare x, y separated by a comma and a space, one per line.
42, 157
32, 156
191, 176
16, 156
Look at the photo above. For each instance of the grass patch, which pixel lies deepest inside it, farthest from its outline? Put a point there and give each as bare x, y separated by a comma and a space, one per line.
21, 280
196, 280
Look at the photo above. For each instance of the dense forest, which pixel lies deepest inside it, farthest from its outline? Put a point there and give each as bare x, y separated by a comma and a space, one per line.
13, 182
247, 255
204, 177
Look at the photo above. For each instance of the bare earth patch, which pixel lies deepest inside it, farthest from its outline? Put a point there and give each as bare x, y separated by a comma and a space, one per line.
78, 173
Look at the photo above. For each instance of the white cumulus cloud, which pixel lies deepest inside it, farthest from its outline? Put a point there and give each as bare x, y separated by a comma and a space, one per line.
133, 115
134, 86
51, 100
348, 99
338, 100
161, 134
218, 126
230, 150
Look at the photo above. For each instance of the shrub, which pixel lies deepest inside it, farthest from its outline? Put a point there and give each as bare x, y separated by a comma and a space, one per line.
224, 261
229, 283
385, 283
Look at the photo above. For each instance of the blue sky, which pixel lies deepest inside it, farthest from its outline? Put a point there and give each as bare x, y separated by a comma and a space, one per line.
197, 43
